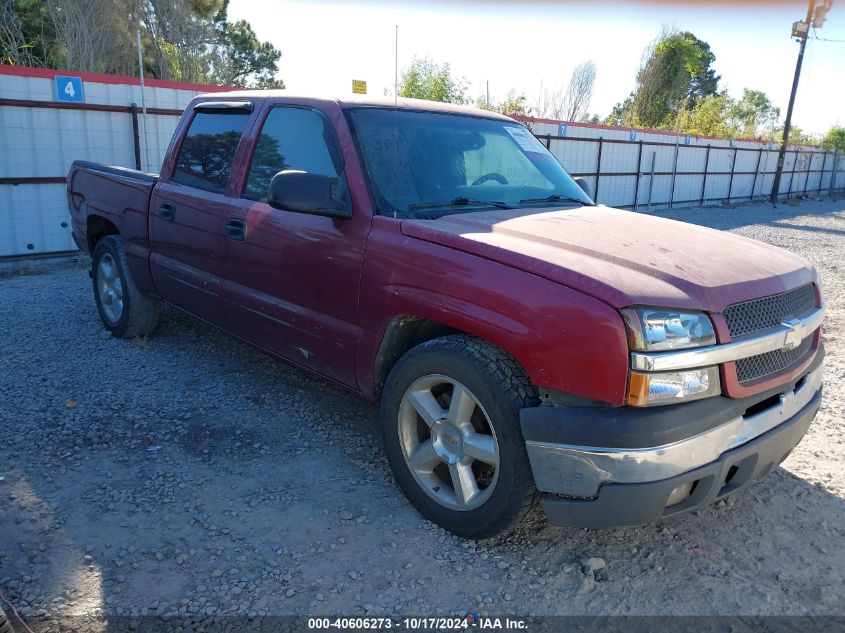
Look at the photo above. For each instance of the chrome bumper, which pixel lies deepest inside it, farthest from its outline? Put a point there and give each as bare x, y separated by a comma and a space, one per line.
580, 471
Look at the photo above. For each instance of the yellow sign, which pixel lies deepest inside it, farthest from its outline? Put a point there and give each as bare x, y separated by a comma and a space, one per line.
359, 87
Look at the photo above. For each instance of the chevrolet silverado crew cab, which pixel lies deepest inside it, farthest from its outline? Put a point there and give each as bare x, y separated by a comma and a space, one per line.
524, 343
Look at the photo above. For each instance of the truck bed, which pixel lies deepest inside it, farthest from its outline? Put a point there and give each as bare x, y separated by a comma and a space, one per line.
119, 195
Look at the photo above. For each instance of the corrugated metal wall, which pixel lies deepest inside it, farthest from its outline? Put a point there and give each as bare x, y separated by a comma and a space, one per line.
41, 143
38, 142
736, 170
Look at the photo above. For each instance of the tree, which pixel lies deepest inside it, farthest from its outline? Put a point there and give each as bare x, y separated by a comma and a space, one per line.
576, 100
424, 79
797, 136
753, 115
622, 113
708, 117
245, 60
25, 30
179, 37
513, 105
187, 40
92, 35
549, 102
835, 138
675, 70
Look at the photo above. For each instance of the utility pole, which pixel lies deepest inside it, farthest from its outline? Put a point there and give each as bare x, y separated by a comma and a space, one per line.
396, 68
787, 124
143, 100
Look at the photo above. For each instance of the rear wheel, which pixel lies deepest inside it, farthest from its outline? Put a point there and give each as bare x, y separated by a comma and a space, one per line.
450, 418
124, 310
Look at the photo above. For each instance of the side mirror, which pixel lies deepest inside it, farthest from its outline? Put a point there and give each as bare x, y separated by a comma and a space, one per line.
294, 190
585, 187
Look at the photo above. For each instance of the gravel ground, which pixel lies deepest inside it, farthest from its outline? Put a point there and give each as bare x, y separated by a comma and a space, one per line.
190, 474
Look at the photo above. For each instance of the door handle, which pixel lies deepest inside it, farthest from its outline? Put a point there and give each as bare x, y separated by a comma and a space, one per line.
167, 212
235, 229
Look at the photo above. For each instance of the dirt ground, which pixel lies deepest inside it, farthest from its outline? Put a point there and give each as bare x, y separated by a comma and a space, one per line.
188, 474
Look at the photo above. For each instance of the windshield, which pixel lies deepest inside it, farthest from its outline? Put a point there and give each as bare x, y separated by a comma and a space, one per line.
426, 164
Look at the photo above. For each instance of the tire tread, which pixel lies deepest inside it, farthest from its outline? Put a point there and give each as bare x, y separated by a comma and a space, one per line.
504, 371
143, 310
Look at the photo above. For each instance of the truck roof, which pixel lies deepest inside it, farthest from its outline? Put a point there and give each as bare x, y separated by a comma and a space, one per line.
283, 96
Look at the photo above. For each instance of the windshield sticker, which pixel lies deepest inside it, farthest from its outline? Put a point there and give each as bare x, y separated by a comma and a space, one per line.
526, 140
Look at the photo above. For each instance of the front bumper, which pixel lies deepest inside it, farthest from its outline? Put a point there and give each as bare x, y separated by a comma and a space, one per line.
629, 466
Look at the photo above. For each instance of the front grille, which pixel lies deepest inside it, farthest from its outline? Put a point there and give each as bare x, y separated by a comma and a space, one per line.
760, 314
771, 363
750, 317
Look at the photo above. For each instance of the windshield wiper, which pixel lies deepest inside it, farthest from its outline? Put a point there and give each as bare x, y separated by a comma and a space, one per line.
555, 197
459, 201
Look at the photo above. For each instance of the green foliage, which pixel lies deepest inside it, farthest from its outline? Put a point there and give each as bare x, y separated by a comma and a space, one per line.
513, 105
676, 70
245, 60
797, 136
25, 30
835, 138
622, 112
188, 40
708, 117
677, 90
753, 115
424, 79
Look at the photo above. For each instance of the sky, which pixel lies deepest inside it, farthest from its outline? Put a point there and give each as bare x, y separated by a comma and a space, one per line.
526, 45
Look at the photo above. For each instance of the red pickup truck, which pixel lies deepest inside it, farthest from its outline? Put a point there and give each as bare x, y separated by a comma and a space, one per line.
525, 344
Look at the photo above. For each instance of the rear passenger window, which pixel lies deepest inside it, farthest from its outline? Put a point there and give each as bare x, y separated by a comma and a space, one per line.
294, 138
205, 158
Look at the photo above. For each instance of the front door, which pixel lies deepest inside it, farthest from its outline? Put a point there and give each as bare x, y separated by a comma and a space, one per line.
291, 280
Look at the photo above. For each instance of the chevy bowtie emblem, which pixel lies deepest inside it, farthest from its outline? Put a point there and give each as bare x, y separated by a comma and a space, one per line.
793, 335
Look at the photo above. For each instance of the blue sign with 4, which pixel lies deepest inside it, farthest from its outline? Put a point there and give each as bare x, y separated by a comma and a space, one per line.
69, 89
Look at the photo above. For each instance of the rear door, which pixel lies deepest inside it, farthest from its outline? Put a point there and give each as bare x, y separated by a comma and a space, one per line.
292, 279
188, 209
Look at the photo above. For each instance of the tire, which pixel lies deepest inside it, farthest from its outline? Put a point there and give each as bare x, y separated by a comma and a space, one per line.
123, 309
481, 441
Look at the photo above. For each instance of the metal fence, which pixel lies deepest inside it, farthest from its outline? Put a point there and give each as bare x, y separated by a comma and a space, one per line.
40, 136
647, 169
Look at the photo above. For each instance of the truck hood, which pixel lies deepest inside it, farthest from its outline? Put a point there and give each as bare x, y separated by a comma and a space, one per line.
623, 258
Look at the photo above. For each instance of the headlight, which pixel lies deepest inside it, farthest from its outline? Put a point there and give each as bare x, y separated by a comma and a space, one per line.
658, 329
647, 389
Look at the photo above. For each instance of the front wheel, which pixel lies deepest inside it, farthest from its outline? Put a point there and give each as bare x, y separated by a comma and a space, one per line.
124, 310
450, 418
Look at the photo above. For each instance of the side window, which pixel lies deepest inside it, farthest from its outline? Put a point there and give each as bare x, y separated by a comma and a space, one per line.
293, 138
205, 158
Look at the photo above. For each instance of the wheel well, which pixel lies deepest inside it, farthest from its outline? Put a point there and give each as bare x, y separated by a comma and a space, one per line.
403, 333
98, 228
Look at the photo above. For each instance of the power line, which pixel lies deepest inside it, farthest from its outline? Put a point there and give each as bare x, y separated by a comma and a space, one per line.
825, 39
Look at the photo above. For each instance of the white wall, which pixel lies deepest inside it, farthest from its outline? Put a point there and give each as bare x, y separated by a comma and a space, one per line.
580, 157
43, 142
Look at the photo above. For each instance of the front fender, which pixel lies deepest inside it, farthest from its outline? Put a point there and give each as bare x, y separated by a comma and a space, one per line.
565, 340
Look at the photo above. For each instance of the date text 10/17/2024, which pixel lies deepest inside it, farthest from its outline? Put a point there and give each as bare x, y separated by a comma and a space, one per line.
471, 620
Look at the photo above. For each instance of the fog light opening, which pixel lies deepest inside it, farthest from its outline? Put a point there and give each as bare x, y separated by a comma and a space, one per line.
680, 494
